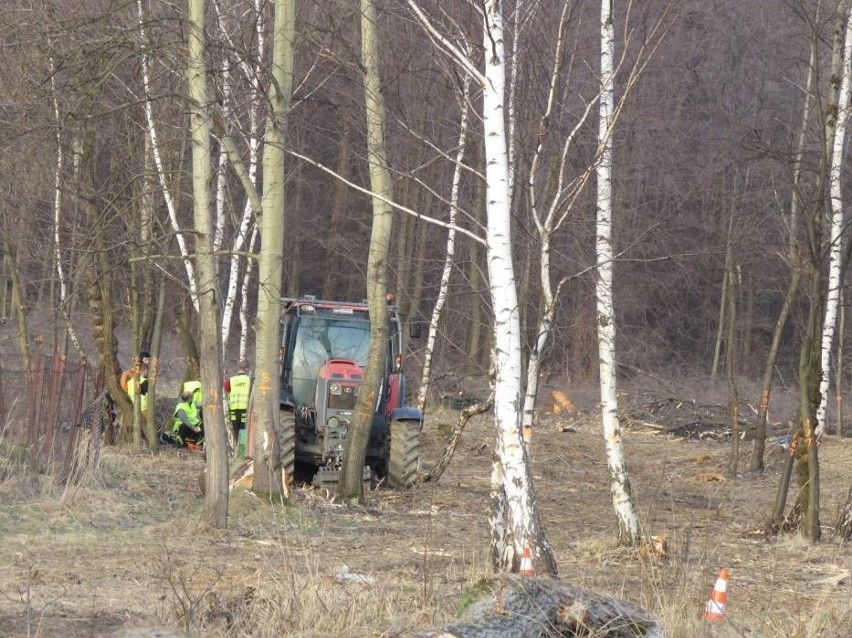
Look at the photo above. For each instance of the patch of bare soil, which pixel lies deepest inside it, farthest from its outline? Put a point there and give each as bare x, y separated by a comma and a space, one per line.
125, 555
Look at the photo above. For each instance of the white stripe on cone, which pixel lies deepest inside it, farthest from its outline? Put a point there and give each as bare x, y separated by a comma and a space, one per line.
527, 568
714, 610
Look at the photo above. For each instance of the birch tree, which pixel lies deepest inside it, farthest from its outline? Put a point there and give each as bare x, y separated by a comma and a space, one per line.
162, 174
58, 190
513, 518
553, 190
511, 478
549, 216
450, 251
793, 218
246, 230
619, 481
835, 236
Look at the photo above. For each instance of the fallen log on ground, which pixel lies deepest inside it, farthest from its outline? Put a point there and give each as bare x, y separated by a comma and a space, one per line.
508, 606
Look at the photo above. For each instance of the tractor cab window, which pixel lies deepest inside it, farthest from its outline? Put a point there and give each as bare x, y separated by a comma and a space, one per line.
319, 339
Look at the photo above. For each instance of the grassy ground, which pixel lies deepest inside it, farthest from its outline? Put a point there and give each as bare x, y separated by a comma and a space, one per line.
125, 551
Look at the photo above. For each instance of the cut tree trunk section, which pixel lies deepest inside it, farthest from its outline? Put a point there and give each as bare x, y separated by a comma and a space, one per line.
511, 606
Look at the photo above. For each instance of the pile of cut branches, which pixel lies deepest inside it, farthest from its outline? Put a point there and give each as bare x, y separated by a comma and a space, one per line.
684, 417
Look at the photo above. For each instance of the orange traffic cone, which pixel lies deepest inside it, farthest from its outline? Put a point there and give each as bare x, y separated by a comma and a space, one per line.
714, 610
526, 568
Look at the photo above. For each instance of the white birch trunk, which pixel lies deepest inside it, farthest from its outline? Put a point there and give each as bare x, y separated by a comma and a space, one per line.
835, 258
545, 228
524, 529
502, 551
171, 206
222, 168
57, 219
244, 299
246, 221
513, 86
450, 253
622, 499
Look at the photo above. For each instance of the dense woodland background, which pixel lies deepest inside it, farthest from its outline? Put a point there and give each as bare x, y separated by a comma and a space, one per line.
723, 193
706, 139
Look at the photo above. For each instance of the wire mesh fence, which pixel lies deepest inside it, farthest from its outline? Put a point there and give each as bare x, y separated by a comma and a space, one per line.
41, 412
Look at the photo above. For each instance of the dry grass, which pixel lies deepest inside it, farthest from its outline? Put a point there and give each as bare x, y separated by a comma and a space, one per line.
125, 550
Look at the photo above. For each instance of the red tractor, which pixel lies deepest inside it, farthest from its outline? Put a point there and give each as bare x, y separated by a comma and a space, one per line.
324, 346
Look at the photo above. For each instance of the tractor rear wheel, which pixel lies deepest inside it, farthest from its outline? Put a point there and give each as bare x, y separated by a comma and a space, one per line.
404, 459
287, 444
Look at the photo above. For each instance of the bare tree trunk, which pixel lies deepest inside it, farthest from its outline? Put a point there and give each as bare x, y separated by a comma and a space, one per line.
449, 257
545, 224
244, 300
215, 438
18, 305
266, 445
351, 485
795, 274
720, 330
747, 290
769, 369
153, 427
731, 361
100, 286
804, 441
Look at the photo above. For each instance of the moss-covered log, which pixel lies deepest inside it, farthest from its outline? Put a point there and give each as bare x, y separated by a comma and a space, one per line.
513, 606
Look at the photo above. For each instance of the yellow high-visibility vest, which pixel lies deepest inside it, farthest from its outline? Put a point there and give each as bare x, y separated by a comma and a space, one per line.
131, 392
238, 398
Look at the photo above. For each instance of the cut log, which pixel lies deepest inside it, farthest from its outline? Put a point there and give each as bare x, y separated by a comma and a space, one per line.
510, 606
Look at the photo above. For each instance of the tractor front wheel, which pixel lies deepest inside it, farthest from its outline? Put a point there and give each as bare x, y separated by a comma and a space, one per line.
404, 461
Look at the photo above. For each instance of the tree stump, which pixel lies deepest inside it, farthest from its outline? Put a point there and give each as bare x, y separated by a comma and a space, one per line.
509, 606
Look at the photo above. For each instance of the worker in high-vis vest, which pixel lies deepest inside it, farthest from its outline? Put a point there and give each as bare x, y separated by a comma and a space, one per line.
139, 376
194, 388
186, 422
237, 389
